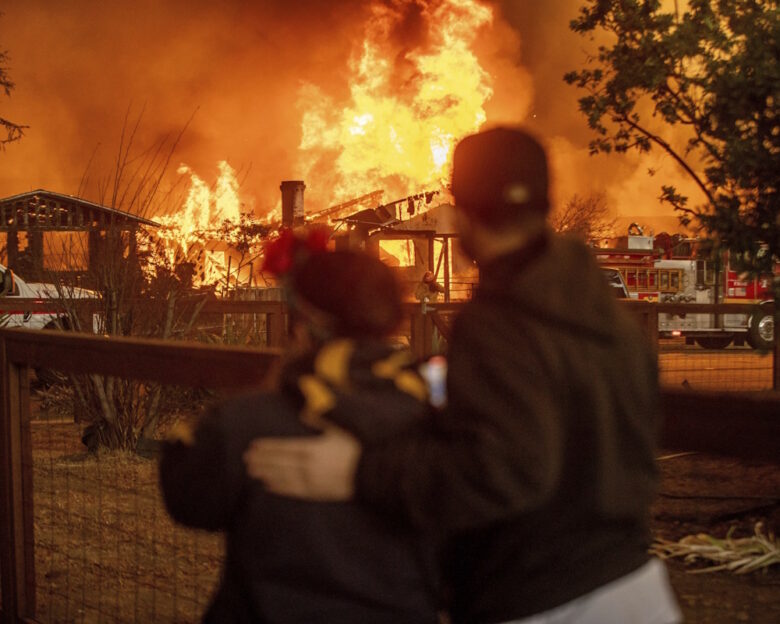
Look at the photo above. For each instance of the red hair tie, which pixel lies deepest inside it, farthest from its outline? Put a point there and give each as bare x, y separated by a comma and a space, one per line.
282, 254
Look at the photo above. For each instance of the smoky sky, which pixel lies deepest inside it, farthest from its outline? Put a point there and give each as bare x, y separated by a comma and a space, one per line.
235, 67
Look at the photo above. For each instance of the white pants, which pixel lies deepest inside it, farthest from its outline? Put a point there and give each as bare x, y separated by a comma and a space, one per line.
642, 597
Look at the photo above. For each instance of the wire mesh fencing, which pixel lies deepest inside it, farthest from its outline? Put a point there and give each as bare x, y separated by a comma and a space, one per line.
105, 548
734, 368
89, 538
704, 354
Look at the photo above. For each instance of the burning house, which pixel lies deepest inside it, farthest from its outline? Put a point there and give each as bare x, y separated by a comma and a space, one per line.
211, 234
413, 236
413, 84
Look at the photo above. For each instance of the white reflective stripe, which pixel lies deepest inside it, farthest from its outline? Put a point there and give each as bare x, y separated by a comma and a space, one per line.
642, 597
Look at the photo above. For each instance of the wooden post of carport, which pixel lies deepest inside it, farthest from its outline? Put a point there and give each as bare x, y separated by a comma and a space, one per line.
94, 250
35, 247
12, 245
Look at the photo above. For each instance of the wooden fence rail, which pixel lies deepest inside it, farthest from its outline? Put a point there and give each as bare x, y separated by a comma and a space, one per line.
423, 318
275, 312
738, 424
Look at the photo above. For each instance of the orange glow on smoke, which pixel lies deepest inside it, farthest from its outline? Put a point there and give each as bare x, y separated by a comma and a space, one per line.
406, 108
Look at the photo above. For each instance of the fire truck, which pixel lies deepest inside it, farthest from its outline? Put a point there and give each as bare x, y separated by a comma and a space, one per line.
666, 269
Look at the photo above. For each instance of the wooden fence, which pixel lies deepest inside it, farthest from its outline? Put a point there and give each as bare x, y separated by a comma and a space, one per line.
423, 319
274, 312
738, 424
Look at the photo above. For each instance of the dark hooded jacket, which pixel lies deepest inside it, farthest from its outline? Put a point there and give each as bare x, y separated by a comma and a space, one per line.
541, 468
289, 560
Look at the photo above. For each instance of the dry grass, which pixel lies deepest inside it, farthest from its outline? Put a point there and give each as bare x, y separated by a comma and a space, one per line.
738, 555
105, 549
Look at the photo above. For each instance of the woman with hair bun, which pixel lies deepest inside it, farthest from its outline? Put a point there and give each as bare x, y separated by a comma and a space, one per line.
295, 561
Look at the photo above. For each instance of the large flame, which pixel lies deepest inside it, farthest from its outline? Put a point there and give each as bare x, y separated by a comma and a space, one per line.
202, 232
204, 207
409, 102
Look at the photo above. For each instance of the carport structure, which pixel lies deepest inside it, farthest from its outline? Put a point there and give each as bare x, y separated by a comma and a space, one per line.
44, 234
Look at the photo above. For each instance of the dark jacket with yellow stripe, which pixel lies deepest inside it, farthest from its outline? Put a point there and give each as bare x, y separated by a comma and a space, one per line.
289, 560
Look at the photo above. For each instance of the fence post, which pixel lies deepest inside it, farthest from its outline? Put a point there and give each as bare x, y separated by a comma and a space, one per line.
275, 327
776, 358
17, 553
417, 333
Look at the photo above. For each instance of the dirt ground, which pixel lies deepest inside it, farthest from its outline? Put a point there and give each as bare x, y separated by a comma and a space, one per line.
713, 495
105, 548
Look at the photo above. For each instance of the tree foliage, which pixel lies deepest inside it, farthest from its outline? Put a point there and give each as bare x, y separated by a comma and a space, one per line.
13, 131
710, 75
585, 216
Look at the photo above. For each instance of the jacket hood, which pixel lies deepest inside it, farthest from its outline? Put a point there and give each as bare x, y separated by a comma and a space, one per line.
584, 303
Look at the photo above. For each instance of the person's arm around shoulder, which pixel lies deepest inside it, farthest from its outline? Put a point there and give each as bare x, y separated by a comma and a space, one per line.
495, 452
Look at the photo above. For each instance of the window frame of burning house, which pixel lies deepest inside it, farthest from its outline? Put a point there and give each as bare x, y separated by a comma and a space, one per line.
65, 250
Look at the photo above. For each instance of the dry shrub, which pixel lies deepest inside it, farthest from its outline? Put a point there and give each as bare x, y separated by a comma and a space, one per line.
136, 288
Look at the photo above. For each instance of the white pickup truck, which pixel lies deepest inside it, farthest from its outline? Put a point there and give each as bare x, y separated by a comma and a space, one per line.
14, 287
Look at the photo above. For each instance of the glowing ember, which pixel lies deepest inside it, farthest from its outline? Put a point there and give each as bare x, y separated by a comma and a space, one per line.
407, 107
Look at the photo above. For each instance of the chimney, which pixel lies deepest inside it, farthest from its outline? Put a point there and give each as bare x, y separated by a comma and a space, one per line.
292, 202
